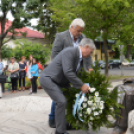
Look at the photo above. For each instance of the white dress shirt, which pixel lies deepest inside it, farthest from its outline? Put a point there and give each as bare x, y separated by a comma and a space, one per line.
76, 45
80, 59
73, 41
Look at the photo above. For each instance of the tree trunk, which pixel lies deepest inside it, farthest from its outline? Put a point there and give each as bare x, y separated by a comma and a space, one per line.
106, 56
128, 51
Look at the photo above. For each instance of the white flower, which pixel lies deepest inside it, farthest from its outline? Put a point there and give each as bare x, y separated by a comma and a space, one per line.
97, 99
91, 118
80, 115
96, 94
97, 104
92, 90
93, 108
76, 95
85, 99
90, 98
100, 111
96, 113
102, 102
89, 110
81, 108
101, 106
94, 105
84, 105
90, 103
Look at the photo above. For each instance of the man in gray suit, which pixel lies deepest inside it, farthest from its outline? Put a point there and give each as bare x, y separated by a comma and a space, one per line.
69, 38
62, 71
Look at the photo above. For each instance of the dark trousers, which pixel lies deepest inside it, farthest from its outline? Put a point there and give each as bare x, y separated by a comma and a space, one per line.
34, 84
23, 81
3, 87
52, 114
14, 82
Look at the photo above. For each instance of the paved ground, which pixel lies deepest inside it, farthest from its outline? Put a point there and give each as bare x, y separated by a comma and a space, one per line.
127, 71
21, 113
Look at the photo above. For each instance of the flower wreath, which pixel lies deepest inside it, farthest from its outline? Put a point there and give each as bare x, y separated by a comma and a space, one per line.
92, 109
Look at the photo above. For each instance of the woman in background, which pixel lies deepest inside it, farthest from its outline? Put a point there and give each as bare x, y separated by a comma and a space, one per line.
22, 68
34, 73
29, 63
13, 68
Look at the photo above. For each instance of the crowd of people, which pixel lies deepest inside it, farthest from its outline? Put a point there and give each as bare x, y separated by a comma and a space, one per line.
18, 71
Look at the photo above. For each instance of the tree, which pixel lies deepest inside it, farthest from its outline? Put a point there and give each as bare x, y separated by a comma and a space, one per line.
6, 52
104, 17
45, 23
131, 51
26, 48
21, 10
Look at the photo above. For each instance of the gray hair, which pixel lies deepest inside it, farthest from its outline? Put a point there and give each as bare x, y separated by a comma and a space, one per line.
89, 42
77, 22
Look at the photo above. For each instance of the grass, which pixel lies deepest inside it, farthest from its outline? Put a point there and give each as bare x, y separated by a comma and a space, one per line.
114, 77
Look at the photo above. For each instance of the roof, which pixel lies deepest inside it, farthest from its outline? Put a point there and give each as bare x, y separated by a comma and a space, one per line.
29, 33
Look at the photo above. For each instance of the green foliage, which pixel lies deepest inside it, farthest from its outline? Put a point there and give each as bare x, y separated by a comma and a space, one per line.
26, 48
6, 52
28, 84
131, 50
46, 24
6, 85
101, 83
117, 53
98, 15
109, 18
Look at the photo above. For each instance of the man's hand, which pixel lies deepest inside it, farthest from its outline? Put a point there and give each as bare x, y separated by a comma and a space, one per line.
85, 88
33, 72
12, 72
89, 70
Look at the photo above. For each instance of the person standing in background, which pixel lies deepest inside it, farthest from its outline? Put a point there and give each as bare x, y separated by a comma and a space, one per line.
1, 72
1, 67
34, 73
22, 68
29, 64
13, 68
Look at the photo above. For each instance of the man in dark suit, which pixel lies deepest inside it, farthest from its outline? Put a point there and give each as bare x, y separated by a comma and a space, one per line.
62, 71
69, 38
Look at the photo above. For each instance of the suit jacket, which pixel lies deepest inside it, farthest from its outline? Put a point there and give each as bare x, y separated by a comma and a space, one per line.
64, 40
62, 70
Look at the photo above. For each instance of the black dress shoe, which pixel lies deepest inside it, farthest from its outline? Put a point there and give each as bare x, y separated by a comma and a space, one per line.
52, 124
69, 127
61, 133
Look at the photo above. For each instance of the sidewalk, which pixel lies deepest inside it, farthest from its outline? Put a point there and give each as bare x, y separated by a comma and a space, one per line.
21, 113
